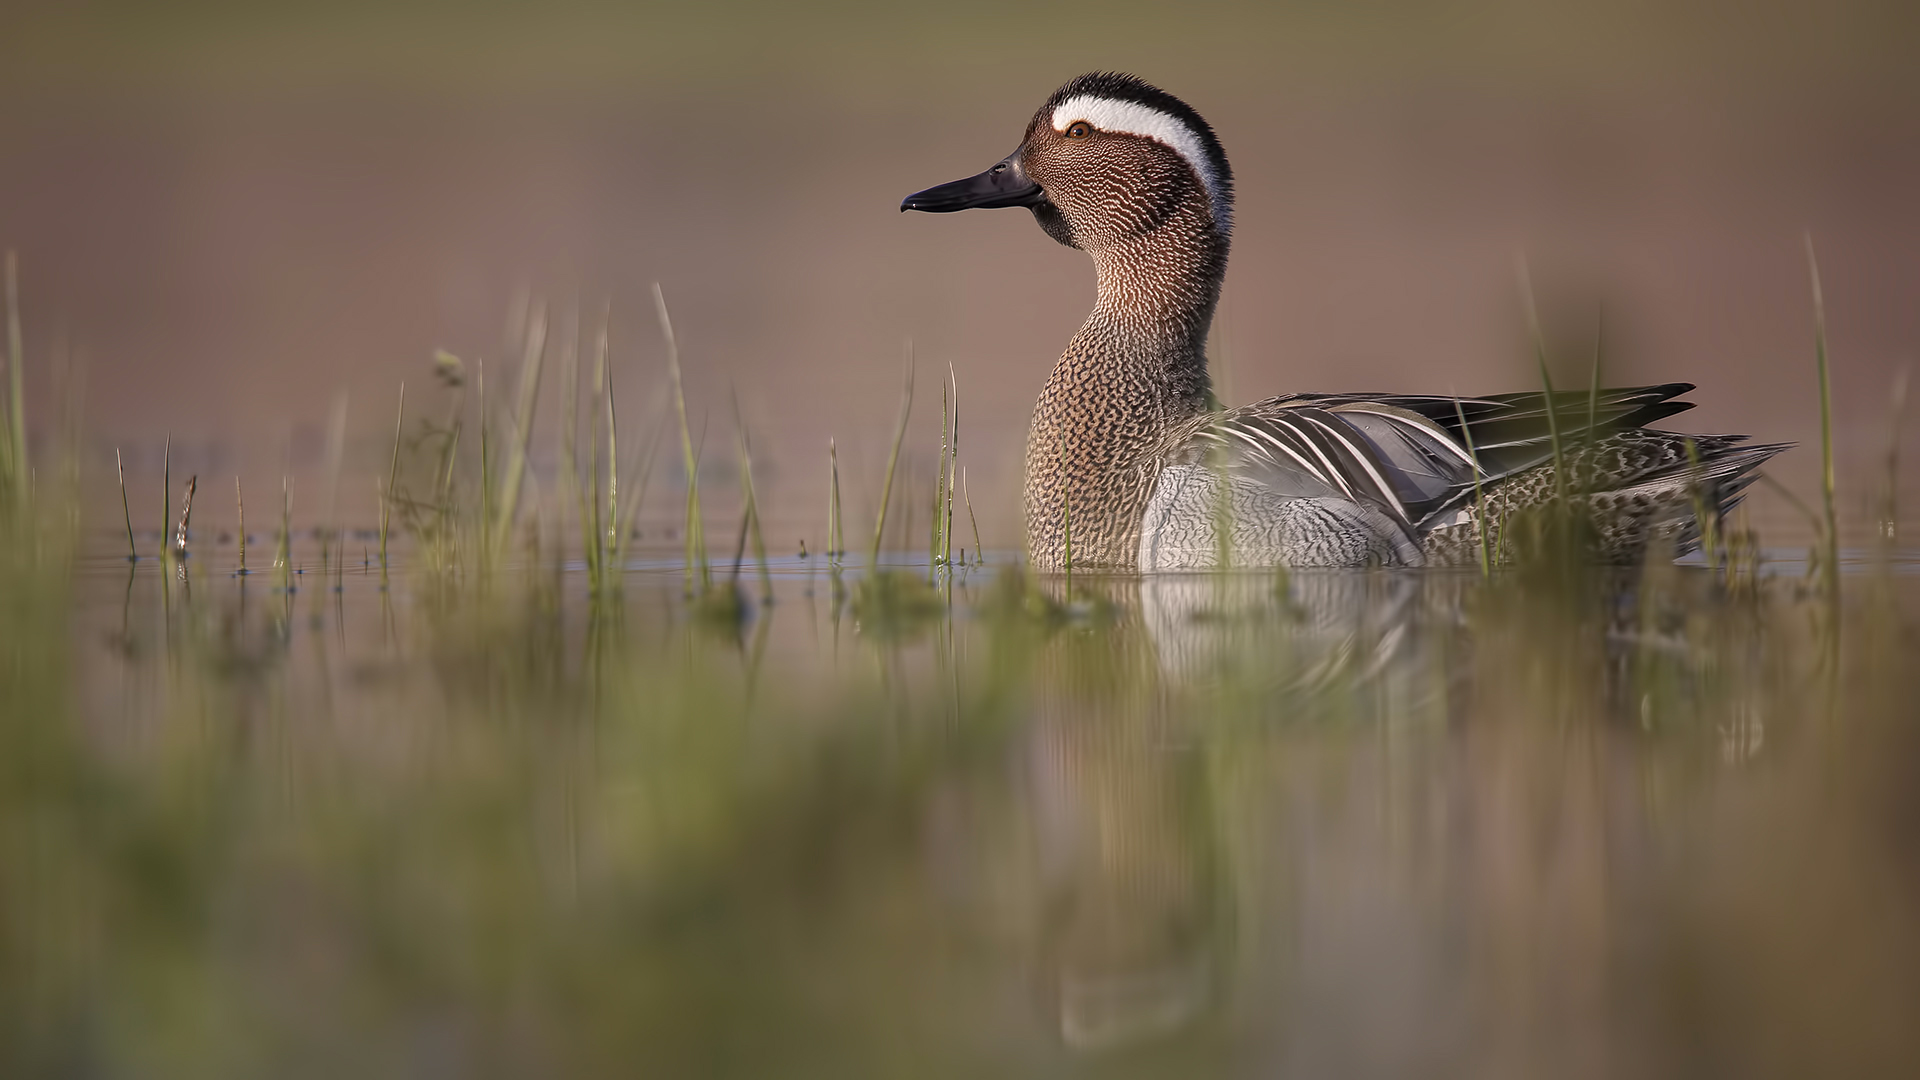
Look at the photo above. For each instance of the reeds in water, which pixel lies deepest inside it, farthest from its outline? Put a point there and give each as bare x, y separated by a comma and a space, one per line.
836, 538
386, 491
940, 550
1829, 571
708, 824
15, 471
240, 510
166, 493
751, 510
696, 545
126, 511
979, 553
283, 545
893, 462
507, 507
603, 506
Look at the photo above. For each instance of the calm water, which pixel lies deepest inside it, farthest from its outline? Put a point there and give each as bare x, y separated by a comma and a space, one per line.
1364, 824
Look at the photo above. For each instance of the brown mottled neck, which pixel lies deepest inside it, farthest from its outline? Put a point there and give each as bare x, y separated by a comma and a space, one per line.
1155, 294
1136, 368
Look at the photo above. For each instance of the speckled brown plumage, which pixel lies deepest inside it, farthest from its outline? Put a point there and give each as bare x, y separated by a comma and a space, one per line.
1138, 367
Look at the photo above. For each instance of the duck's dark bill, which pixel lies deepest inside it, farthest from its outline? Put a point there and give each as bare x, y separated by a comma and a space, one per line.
1006, 184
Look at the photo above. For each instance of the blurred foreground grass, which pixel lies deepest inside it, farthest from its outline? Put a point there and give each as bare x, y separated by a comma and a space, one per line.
1350, 823
498, 810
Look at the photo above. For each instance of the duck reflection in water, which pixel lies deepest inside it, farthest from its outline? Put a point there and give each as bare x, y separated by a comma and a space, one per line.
1123, 769
1260, 799
1135, 919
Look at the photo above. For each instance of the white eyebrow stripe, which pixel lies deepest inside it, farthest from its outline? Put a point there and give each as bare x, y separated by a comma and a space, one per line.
1132, 118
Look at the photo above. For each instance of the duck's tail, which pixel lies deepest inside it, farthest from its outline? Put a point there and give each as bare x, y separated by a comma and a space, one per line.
1633, 488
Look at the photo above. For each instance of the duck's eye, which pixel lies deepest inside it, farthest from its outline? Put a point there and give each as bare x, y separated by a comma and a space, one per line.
1079, 129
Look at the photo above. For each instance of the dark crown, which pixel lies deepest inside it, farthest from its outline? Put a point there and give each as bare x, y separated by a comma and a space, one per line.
1119, 86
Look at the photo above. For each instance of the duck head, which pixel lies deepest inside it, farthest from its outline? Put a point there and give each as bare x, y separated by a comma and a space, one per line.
1107, 159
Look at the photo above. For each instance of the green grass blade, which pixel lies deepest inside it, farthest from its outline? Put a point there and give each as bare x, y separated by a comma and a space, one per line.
16, 389
603, 385
283, 554
133, 553
166, 494
630, 508
979, 553
240, 508
695, 545
1479, 497
697, 524
753, 502
580, 491
893, 461
486, 459
1830, 541
953, 456
529, 394
935, 522
833, 502
1546, 382
393, 476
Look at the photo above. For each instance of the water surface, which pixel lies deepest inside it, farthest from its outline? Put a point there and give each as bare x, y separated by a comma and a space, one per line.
1357, 824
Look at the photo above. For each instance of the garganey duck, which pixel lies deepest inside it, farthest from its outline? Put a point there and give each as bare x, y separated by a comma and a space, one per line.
1131, 465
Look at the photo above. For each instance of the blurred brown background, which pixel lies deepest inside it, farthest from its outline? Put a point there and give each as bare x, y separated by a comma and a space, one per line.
234, 213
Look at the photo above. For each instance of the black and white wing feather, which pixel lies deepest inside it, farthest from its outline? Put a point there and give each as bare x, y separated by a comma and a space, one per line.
1394, 460
1414, 457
